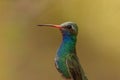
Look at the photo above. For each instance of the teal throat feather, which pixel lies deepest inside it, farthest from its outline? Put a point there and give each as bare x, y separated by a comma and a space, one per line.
67, 47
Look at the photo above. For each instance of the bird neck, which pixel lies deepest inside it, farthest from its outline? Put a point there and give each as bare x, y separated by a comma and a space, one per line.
68, 45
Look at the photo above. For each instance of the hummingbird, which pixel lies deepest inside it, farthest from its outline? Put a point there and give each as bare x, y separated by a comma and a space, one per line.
66, 60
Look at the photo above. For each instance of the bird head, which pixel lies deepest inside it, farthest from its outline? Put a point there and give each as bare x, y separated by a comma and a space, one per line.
67, 28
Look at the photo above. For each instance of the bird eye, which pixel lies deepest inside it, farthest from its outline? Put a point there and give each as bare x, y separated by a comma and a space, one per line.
69, 26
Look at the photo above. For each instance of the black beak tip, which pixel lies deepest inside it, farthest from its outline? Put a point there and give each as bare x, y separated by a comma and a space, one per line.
39, 25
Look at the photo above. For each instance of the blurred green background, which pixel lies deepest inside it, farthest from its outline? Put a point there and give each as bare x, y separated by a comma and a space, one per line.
27, 52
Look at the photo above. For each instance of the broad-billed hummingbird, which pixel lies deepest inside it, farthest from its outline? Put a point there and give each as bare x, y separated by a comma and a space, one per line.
66, 60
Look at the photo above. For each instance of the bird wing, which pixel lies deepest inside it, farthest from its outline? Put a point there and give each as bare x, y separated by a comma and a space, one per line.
75, 68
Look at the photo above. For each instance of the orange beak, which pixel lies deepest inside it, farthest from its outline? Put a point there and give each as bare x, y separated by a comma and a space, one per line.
51, 25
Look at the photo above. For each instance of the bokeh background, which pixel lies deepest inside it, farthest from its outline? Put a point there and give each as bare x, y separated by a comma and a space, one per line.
27, 52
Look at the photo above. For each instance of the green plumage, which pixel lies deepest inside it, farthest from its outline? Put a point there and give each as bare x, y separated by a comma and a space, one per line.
66, 60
